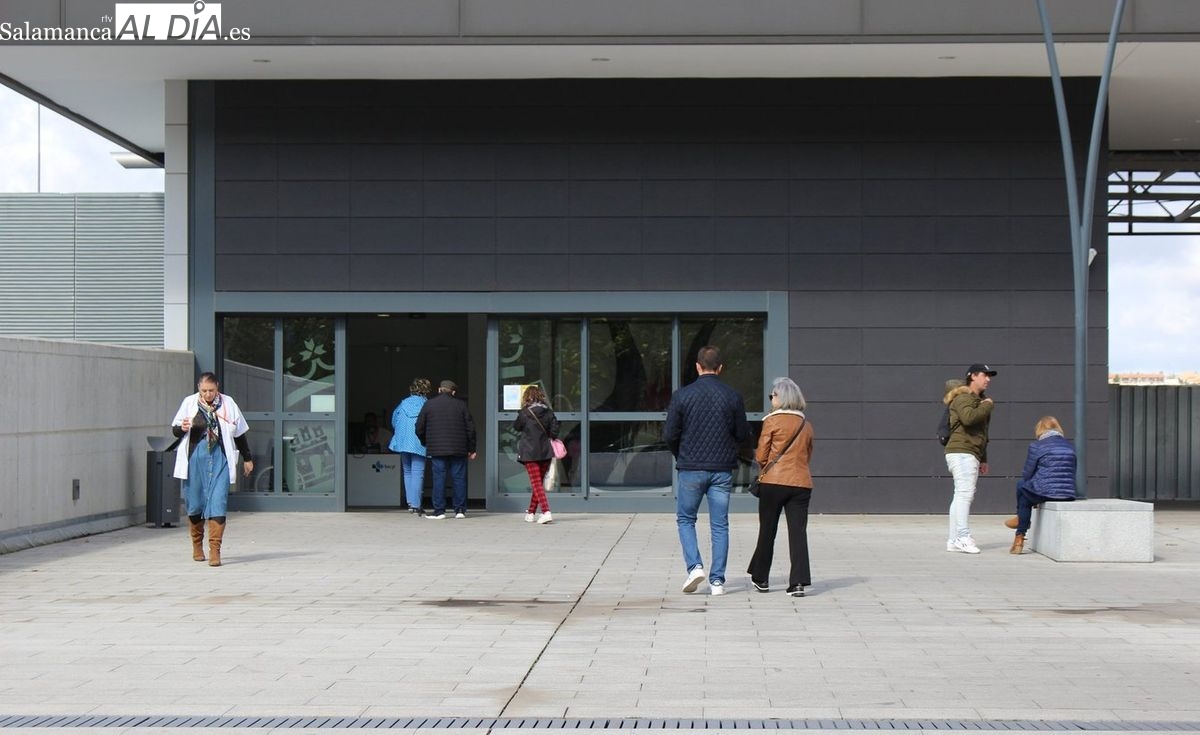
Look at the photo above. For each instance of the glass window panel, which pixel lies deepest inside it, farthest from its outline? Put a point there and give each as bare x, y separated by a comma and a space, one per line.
629, 364
514, 479
629, 456
308, 459
308, 364
544, 351
740, 339
248, 372
261, 438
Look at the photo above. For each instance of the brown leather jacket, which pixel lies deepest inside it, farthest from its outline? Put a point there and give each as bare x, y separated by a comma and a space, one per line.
793, 469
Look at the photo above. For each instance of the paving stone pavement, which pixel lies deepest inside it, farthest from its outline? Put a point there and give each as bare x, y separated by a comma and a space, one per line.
385, 615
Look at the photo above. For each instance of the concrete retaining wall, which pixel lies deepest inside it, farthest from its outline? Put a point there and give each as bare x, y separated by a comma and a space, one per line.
78, 411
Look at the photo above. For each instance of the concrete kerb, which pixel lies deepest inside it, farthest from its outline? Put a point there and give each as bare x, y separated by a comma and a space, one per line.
383, 616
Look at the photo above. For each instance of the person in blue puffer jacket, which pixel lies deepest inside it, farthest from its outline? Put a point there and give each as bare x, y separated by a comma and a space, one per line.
407, 445
1049, 475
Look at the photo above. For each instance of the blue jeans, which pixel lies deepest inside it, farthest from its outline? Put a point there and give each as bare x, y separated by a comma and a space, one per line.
412, 466
457, 467
694, 486
1026, 500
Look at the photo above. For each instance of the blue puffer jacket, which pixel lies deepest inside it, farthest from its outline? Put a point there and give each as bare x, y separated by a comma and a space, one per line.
1050, 467
706, 423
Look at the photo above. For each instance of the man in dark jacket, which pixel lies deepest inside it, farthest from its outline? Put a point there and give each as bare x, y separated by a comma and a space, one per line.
445, 427
706, 423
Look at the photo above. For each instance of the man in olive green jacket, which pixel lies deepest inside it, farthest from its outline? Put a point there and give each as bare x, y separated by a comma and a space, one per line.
966, 452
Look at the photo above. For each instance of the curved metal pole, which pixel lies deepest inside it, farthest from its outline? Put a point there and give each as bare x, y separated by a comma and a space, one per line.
1081, 223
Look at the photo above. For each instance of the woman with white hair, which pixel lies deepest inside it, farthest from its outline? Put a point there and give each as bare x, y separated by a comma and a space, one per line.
785, 486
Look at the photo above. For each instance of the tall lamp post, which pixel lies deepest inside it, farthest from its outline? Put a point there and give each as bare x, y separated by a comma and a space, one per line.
1081, 221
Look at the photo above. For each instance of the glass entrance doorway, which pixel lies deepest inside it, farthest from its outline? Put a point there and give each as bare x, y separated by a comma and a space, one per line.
384, 353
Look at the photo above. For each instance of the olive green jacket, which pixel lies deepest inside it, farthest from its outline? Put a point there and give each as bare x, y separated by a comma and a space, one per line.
969, 420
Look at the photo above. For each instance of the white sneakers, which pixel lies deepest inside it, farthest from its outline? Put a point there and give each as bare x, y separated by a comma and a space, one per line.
529, 518
695, 577
546, 518
717, 588
966, 545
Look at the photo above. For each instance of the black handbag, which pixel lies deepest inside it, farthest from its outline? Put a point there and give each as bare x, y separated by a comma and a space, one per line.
753, 489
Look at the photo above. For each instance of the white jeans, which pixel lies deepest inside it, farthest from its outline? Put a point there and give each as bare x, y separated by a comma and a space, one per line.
965, 470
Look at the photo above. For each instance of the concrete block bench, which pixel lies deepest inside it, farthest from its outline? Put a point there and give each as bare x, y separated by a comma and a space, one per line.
1099, 529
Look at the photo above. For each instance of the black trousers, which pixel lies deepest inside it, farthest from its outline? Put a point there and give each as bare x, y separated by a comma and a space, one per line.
793, 502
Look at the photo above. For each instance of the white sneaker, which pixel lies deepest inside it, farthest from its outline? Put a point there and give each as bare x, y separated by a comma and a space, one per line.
966, 545
546, 518
529, 518
460, 514
695, 577
717, 588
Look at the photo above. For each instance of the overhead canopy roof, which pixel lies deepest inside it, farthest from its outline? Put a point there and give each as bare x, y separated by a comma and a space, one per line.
119, 86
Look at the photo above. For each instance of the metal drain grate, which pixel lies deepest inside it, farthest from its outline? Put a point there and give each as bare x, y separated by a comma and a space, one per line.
567, 723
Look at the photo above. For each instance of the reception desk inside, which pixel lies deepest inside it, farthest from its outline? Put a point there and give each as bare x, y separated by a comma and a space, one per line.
373, 481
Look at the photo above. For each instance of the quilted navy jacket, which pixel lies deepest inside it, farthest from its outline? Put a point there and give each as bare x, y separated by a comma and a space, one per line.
1050, 467
706, 423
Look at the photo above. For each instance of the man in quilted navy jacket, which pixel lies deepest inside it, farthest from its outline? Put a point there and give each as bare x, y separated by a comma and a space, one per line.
1049, 475
706, 423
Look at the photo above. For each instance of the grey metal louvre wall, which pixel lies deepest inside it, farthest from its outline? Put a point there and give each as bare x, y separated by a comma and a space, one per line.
1156, 442
83, 267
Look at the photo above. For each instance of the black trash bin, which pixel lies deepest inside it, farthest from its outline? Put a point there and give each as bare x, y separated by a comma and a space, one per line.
162, 489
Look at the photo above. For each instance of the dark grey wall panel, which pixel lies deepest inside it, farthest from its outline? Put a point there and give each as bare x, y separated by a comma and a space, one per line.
246, 162
384, 272
386, 235
825, 346
531, 235
531, 198
750, 272
386, 199
313, 162
678, 235
605, 235
389, 162
750, 234
314, 198
318, 235
825, 234
245, 235
454, 273
247, 199
460, 235
916, 225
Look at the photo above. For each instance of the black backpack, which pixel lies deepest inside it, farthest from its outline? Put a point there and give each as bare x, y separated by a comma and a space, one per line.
944, 429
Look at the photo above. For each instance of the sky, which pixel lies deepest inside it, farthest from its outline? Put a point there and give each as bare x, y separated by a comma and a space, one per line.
73, 159
1153, 284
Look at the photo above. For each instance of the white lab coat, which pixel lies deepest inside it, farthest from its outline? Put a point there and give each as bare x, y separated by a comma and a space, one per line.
233, 424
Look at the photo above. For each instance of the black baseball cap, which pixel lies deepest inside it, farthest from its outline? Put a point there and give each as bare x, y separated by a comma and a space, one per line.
981, 368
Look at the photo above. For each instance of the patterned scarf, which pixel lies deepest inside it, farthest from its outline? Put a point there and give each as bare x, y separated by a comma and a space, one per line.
210, 418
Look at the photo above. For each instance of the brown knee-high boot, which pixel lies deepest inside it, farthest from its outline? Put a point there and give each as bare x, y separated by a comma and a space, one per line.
216, 530
196, 525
